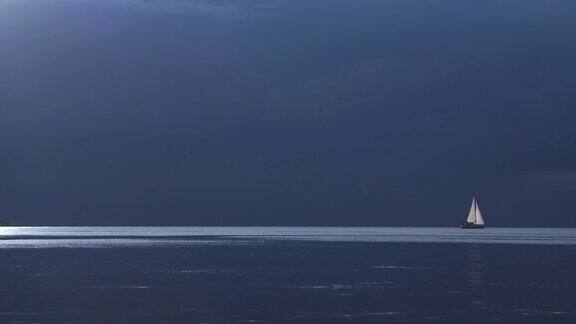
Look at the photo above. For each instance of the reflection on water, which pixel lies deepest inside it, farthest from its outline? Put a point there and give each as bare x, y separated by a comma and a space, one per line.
247, 280
45, 237
475, 285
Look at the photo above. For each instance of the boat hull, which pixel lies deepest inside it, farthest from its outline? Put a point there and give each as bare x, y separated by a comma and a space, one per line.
472, 226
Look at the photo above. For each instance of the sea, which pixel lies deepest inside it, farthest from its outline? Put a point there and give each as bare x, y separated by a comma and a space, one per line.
286, 275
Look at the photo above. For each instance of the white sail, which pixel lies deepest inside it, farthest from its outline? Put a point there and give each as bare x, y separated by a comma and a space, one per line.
472, 214
479, 219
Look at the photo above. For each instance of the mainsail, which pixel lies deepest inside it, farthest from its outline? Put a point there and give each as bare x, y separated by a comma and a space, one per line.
479, 219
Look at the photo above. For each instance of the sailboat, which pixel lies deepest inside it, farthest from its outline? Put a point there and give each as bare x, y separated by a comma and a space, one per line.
474, 220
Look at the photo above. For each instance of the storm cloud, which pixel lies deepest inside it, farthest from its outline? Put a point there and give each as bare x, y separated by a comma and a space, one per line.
259, 112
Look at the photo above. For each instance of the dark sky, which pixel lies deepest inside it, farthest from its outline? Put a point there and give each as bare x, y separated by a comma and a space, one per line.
287, 112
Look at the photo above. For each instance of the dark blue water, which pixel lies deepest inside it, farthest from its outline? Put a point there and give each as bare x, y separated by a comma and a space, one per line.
98, 275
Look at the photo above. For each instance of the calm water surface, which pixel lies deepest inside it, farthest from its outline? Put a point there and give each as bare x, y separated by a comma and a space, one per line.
302, 275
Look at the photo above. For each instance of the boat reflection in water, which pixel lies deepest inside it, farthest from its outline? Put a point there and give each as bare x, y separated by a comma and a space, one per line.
475, 285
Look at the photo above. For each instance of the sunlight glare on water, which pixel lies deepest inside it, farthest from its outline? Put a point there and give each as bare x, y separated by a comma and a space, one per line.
38, 237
